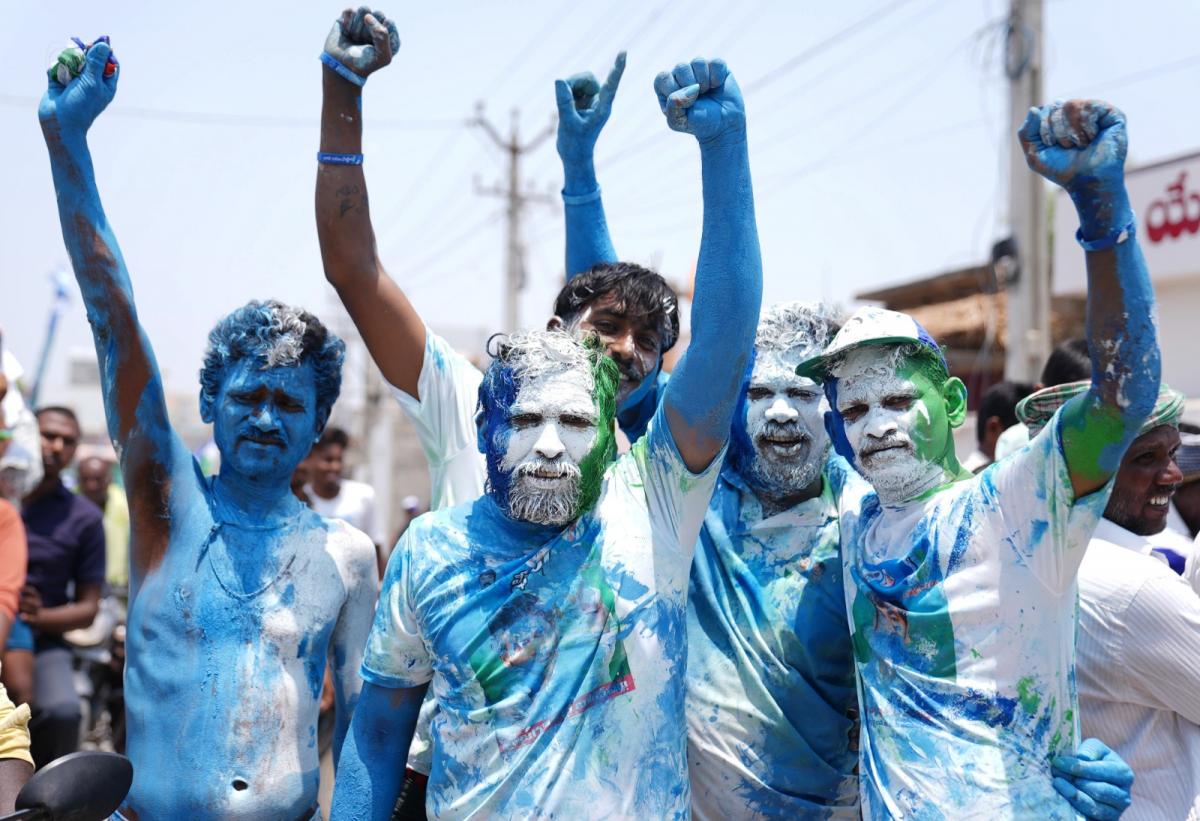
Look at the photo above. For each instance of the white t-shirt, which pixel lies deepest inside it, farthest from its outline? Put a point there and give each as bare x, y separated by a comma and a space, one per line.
557, 657
354, 504
444, 418
962, 614
1139, 670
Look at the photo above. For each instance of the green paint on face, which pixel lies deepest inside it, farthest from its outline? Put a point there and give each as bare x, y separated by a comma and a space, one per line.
604, 394
1029, 697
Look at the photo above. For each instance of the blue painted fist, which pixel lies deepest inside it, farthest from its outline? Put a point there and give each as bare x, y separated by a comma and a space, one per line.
583, 109
1095, 781
363, 40
1078, 144
75, 106
703, 99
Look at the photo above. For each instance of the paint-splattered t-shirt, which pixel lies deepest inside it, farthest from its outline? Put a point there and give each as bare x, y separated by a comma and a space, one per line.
962, 609
771, 702
557, 657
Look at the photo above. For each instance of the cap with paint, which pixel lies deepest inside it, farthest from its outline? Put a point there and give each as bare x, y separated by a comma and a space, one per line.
870, 326
1039, 407
1188, 456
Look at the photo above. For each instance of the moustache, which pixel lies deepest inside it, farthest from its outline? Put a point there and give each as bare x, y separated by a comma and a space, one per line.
784, 432
548, 470
263, 438
879, 445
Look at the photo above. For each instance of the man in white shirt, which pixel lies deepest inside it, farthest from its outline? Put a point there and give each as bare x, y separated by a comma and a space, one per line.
1138, 649
335, 497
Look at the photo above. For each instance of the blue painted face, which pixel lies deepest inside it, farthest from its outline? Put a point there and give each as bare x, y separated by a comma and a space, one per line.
265, 420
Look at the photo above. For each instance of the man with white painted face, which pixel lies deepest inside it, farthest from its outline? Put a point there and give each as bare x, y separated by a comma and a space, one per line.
960, 590
548, 616
239, 595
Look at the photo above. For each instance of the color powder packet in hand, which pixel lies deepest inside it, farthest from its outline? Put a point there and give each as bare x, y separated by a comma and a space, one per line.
69, 63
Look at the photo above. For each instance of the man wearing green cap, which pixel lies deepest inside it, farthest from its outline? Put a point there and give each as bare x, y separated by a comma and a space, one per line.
960, 589
1139, 622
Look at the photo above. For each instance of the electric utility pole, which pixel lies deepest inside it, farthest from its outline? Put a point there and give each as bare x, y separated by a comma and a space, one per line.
1028, 342
517, 198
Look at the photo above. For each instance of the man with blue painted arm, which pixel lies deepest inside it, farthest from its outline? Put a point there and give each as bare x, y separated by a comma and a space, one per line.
961, 590
549, 614
239, 595
770, 671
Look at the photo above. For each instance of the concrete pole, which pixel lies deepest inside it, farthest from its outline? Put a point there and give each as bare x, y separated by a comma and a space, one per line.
1028, 342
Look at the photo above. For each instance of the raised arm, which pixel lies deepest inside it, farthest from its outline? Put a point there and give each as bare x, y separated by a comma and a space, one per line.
583, 109
360, 43
133, 395
1081, 146
703, 99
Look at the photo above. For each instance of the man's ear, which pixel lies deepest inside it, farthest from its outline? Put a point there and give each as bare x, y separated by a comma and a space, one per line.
954, 394
480, 433
555, 323
206, 414
321, 421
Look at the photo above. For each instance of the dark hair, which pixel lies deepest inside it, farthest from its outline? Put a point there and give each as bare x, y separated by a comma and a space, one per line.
639, 292
1068, 362
61, 410
276, 334
1000, 400
334, 436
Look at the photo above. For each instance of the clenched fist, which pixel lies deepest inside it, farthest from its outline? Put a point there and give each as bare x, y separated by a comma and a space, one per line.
363, 40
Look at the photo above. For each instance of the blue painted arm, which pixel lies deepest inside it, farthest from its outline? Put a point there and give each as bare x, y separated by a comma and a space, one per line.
1081, 145
1095, 781
583, 108
133, 396
349, 640
703, 99
370, 772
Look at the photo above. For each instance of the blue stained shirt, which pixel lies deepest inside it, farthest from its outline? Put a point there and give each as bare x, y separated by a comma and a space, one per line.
557, 656
962, 612
771, 702
635, 418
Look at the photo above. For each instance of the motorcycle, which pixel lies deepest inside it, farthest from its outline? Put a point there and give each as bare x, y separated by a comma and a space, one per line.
83, 786
99, 652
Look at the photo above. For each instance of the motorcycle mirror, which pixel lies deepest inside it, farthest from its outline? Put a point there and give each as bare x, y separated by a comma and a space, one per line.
83, 786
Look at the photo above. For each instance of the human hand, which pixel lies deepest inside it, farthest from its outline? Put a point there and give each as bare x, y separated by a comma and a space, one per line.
583, 109
30, 603
1081, 145
362, 40
702, 99
75, 106
1095, 781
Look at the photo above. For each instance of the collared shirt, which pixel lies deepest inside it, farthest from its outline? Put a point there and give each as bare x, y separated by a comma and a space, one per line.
557, 655
962, 610
1138, 655
771, 703
66, 543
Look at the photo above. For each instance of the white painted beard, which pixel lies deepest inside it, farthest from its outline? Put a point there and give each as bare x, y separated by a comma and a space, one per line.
896, 472
545, 493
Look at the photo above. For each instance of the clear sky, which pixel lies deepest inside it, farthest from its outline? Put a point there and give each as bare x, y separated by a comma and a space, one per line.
878, 158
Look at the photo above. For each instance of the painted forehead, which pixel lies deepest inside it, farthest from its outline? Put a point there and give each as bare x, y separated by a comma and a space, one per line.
566, 387
779, 367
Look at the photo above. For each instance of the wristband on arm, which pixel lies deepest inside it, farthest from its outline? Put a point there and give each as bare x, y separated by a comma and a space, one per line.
1108, 241
342, 71
329, 158
581, 199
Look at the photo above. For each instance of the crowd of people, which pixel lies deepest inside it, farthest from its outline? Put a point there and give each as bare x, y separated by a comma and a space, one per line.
788, 598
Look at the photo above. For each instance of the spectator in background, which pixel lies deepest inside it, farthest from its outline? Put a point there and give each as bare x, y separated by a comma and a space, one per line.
95, 482
66, 546
1068, 362
1138, 646
335, 497
21, 463
997, 413
1185, 507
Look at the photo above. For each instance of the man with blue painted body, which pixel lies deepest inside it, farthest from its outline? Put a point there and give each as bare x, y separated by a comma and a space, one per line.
239, 595
960, 589
550, 614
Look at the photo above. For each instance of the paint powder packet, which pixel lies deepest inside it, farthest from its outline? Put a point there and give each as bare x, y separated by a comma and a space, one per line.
69, 63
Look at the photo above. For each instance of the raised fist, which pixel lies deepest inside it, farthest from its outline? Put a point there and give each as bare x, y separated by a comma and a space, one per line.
77, 104
583, 109
1079, 144
364, 41
703, 99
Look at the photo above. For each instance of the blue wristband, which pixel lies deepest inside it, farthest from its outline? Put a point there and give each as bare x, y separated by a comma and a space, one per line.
327, 158
581, 199
342, 71
1110, 241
